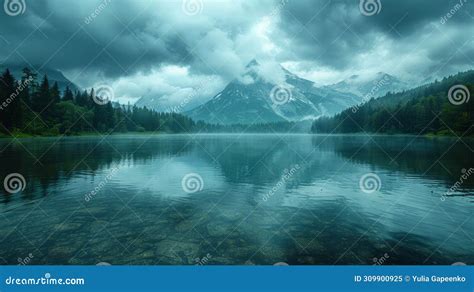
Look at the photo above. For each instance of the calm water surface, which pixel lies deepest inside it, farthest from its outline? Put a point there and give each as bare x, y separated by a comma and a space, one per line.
264, 199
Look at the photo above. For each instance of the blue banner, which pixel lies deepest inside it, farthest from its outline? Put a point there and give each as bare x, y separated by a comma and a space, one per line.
237, 278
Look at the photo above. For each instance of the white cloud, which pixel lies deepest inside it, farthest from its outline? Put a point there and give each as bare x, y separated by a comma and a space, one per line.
170, 83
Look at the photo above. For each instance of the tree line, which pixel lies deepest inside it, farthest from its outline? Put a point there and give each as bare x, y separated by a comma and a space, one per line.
441, 107
33, 107
39, 108
274, 127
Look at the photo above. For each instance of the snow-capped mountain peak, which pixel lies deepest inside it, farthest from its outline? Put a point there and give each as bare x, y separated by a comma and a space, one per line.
375, 85
274, 94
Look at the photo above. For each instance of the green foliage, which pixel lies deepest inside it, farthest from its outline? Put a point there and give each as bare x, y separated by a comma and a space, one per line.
73, 118
277, 127
29, 108
12, 101
423, 110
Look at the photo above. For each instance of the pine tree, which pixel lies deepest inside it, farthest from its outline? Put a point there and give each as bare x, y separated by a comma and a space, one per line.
68, 94
42, 98
11, 105
31, 85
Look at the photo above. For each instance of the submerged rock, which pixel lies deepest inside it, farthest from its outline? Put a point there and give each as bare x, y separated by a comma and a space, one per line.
184, 226
218, 230
180, 249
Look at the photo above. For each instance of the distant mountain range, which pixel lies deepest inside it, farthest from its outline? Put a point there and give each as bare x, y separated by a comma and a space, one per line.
53, 76
251, 98
371, 85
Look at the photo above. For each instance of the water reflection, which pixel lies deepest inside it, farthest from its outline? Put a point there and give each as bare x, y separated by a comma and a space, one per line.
140, 214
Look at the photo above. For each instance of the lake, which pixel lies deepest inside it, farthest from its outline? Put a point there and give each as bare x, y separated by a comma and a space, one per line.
237, 200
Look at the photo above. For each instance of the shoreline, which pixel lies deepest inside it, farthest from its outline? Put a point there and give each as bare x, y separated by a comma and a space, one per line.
22, 136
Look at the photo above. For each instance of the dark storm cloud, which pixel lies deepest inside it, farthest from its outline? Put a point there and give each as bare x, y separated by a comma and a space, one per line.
64, 35
405, 17
334, 33
135, 43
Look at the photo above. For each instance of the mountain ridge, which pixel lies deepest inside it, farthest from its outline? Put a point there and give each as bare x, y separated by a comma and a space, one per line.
54, 75
373, 85
245, 101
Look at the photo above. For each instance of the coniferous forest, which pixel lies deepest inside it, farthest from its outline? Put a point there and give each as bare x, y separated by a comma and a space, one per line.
33, 106
423, 110
36, 107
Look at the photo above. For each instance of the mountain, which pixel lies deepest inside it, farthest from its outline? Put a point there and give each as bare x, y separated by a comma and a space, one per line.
370, 85
163, 103
441, 107
53, 76
252, 98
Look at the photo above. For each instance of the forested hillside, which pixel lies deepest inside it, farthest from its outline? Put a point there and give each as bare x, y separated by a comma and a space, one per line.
437, 108
39, 108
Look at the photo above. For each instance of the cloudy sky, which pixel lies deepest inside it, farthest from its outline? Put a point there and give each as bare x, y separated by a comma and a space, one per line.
167, 49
